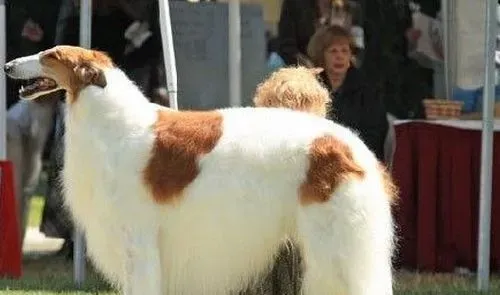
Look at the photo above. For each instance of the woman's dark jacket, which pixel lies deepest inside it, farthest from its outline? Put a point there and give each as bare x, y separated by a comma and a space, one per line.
295, 28
384, 60
357, 105
108, 28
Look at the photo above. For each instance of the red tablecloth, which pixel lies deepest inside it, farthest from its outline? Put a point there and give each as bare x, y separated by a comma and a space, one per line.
437, 169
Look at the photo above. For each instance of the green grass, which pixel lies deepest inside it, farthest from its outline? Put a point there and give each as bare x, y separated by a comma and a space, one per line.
37, 202
449, 284
53, 275
47, 275
36, 209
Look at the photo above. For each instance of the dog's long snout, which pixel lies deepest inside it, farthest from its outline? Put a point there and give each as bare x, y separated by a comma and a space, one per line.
27, 67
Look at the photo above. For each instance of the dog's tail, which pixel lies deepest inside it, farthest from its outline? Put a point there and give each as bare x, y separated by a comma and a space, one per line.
295, 88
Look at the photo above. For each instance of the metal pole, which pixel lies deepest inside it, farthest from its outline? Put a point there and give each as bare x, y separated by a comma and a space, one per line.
79, 238
234, 53
3, 90
445, 17
168, 53
451, 43
487, 149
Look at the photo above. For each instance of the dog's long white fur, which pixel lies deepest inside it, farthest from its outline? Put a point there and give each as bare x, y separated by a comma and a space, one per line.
231, 220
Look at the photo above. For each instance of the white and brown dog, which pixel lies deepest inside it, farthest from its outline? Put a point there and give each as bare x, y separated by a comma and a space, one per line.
198, 202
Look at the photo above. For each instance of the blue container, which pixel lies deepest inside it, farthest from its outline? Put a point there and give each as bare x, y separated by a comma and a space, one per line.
473, 98
479, 104
468, 96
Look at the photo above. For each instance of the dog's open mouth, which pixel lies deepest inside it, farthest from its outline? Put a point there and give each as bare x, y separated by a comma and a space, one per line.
37, 87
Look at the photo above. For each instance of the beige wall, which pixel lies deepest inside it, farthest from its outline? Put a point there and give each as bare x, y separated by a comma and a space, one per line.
271, 11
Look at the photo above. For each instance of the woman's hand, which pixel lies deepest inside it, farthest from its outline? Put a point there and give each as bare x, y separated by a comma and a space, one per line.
32, 31
413, 35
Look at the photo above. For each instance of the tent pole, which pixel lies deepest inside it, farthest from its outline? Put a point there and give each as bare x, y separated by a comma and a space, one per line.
234, 38
487, 148
3, 87
168, 53
79, 242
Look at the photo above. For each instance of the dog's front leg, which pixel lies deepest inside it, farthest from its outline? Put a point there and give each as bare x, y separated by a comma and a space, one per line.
142, 265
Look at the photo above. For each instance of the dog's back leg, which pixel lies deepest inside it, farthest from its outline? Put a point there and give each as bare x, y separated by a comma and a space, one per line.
347, 241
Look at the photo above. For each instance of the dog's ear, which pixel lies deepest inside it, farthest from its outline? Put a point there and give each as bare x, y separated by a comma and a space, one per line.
304, 61
316, 71
51, 54
90, 75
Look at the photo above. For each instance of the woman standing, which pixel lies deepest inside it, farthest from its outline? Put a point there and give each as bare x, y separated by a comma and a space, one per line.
29, 30
355, 102
299, 20
29, 123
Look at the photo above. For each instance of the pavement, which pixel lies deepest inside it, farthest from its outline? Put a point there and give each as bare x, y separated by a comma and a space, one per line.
36, 242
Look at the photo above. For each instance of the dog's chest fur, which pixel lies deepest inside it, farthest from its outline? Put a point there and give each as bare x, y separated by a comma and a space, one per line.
104, 162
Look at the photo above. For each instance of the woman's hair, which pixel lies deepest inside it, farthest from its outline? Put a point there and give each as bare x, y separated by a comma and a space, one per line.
323, 38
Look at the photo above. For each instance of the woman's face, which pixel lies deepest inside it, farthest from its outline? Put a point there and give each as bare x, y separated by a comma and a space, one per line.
338, 58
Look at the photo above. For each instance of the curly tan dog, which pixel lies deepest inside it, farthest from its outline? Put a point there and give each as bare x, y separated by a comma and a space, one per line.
296, 88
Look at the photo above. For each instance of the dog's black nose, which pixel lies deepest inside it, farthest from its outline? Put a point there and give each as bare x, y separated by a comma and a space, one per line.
7, 68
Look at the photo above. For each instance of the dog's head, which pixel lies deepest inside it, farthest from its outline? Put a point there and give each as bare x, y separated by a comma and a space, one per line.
296, 88
62, 67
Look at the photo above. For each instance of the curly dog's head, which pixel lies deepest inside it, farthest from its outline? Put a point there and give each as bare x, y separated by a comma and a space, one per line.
295, 88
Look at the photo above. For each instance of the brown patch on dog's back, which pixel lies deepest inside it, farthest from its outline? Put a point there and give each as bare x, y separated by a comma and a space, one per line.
330, 162
181, 138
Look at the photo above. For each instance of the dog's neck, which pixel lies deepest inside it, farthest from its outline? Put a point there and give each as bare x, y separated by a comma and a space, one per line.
120, 103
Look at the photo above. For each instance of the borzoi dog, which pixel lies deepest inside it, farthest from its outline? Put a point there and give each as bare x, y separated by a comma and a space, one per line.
198, 202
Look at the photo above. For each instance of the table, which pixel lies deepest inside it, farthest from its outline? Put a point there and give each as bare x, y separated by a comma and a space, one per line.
437, 168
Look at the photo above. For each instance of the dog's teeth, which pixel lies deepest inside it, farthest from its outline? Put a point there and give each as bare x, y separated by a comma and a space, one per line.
22, 89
